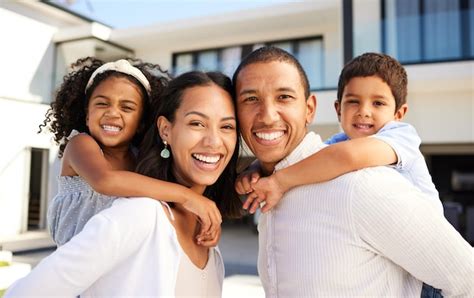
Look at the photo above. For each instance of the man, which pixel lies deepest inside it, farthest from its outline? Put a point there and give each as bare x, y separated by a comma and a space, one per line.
366, 233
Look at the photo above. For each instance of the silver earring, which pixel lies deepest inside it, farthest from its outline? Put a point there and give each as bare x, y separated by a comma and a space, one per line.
165, 153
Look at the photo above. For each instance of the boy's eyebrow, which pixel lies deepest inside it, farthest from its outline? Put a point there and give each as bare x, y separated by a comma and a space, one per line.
357, 95
207, 117
350, 95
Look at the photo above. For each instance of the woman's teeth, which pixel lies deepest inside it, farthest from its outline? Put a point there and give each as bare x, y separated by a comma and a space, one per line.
206, 158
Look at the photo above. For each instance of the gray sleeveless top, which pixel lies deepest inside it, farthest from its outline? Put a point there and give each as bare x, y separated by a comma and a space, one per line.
75, 203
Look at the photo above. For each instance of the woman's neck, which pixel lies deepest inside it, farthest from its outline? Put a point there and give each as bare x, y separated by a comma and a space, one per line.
199, 189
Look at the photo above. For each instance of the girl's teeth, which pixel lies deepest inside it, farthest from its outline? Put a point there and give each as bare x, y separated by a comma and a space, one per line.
269, 136
111, 128
207, 159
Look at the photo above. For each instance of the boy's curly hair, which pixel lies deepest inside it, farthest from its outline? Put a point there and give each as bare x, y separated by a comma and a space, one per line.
69, 109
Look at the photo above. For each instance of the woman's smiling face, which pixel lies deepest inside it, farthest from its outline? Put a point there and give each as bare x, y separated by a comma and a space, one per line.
203, 135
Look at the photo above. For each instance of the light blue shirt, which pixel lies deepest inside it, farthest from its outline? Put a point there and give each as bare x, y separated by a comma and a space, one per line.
404, 140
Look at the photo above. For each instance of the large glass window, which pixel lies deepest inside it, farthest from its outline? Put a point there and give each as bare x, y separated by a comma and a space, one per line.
309, 51
428, 30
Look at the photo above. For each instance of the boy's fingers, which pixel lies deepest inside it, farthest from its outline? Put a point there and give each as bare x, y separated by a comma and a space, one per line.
246, 184
268, 206
255, 176
250, 198
239, 188
256, 204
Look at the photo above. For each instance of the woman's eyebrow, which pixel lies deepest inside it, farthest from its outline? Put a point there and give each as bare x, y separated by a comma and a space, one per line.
207, 117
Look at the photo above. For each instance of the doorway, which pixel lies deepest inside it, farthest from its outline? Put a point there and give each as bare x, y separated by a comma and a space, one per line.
36, 218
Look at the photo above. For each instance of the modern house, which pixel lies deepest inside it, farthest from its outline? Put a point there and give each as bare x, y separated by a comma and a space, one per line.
434, 39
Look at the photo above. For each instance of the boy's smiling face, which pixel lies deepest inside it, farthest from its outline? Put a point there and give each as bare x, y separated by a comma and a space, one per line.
367, 104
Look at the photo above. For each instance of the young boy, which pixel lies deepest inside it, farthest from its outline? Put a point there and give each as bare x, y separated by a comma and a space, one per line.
371, 101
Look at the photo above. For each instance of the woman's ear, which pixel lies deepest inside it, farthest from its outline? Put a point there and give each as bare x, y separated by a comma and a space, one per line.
164, 128
401, 112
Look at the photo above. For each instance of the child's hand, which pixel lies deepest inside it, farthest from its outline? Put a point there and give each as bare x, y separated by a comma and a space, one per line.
266, 189
243, 183
207, 212
209, 240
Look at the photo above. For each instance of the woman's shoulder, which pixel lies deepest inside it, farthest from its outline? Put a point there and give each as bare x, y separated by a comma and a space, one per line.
138, 209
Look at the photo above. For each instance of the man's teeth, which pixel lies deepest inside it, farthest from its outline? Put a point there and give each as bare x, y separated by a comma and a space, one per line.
111, 128
269, 136
207, 159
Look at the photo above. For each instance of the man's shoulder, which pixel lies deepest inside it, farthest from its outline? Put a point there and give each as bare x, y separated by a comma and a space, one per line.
375, 178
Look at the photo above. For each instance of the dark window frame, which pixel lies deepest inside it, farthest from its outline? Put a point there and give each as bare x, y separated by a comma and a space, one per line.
246, 48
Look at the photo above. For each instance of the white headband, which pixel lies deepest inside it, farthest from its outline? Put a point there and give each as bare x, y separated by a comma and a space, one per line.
122, 66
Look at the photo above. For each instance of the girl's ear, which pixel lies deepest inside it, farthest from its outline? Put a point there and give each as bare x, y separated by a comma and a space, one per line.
401, 112
337, 106
164, 128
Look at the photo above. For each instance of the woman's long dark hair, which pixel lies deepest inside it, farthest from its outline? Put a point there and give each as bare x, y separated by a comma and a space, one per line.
151, 164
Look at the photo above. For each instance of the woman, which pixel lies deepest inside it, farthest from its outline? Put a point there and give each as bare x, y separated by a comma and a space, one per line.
143, 247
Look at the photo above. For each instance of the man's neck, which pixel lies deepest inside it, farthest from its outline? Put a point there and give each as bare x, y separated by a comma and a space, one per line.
267, 168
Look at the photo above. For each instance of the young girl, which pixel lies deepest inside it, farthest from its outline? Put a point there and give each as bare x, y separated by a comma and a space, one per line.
98, 118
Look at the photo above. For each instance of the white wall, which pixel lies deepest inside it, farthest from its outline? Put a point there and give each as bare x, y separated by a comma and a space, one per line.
26, 57
441, 101
19, 123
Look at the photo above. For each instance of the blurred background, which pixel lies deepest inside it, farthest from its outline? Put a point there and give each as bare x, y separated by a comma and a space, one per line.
434, 39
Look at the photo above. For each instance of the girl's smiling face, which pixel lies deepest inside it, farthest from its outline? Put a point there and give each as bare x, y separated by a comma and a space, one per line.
114, 112
203, 135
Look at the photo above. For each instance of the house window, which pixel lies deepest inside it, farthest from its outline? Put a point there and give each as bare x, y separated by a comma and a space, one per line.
428, 30
309, 51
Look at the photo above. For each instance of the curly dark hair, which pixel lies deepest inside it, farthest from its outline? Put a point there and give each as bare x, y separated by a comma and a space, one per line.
151, 164
69, 109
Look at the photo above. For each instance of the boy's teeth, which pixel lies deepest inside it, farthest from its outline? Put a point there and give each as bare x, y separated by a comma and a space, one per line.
207, 159
111, 128
269, 136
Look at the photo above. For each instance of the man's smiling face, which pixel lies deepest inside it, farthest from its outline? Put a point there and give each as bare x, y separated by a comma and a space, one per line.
272, 110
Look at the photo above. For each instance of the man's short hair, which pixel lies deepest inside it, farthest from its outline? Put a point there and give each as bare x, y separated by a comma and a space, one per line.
270, 54
380, 65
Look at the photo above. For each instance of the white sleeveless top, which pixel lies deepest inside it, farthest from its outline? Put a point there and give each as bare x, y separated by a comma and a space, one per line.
195, 282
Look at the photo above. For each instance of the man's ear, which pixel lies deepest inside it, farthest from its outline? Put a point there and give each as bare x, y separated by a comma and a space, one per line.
337, 106
401, 112
164, 128
311, 104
